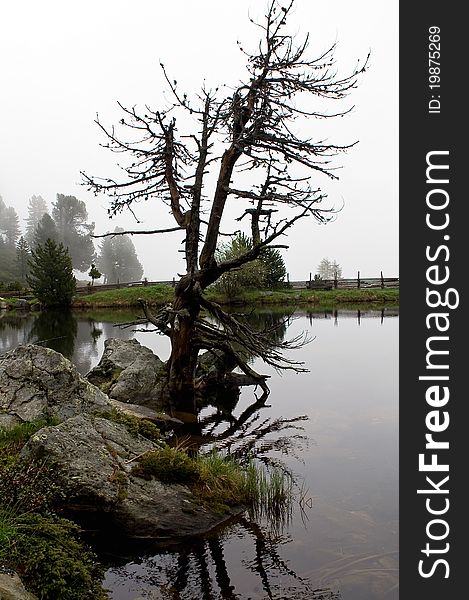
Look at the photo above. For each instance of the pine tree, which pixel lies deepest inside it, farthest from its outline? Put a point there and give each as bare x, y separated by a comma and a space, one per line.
70, 217
46, 230
118, 260
275, 270
8, 270
22, 257
250, 275
107, 261
9, 226
37, 208
51, 275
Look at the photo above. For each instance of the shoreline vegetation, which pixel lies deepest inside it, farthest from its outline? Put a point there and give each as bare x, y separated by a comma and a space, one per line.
48, 551
159, 295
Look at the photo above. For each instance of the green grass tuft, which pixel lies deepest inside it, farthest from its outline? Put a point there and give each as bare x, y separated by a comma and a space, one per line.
169, 465
8, 529
219, 481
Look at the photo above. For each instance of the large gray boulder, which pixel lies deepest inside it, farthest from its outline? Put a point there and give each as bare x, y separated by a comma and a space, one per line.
129, 372
95, 457
36, 382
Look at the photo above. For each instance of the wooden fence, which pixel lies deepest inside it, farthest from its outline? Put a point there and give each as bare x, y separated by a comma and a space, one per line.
357, 282
88, 289
322, 284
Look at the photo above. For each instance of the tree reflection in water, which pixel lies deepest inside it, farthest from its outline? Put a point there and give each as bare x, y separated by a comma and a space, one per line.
199, 569
56, 330
250, 436
14, 330
247, 435
63, 332
205, 569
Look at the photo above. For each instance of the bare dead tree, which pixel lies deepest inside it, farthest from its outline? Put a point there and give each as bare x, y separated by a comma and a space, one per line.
252, 129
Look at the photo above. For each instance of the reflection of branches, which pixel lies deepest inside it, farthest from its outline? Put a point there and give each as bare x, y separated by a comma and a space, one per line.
199, 569
204, 573
261, 552
247, 436
267, 556
222, 576
245, 442
266, 343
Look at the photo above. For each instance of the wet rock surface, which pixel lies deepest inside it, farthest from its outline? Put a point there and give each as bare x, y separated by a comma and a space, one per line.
95, 457
38, 382
129, 372
162, 420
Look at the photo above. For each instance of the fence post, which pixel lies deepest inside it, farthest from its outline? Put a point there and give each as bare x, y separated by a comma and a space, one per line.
335, 280
382, 280
358, 280
310, 287
174, 282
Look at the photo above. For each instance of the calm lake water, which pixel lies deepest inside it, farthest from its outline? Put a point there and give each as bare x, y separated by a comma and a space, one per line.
335, 427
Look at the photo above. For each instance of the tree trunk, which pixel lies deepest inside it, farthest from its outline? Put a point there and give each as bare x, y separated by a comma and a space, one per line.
183, 359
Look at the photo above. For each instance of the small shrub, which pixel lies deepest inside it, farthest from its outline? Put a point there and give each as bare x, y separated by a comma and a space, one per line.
28, 485
52, 561
14, 286
169, 465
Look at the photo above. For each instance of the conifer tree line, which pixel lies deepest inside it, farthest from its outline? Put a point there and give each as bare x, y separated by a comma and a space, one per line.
66, 222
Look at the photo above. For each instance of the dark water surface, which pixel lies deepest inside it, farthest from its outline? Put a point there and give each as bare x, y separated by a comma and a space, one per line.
343, 535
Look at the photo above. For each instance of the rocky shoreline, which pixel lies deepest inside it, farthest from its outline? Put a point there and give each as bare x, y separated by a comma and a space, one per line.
94, 454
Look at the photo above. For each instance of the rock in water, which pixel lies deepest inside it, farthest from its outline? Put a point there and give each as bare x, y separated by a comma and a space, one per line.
94, 457
129, 372
38, 382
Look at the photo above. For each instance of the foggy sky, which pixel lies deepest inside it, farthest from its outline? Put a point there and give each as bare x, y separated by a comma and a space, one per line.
64, 62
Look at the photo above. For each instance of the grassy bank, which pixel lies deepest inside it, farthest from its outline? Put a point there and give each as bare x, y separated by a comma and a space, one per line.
161, 294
